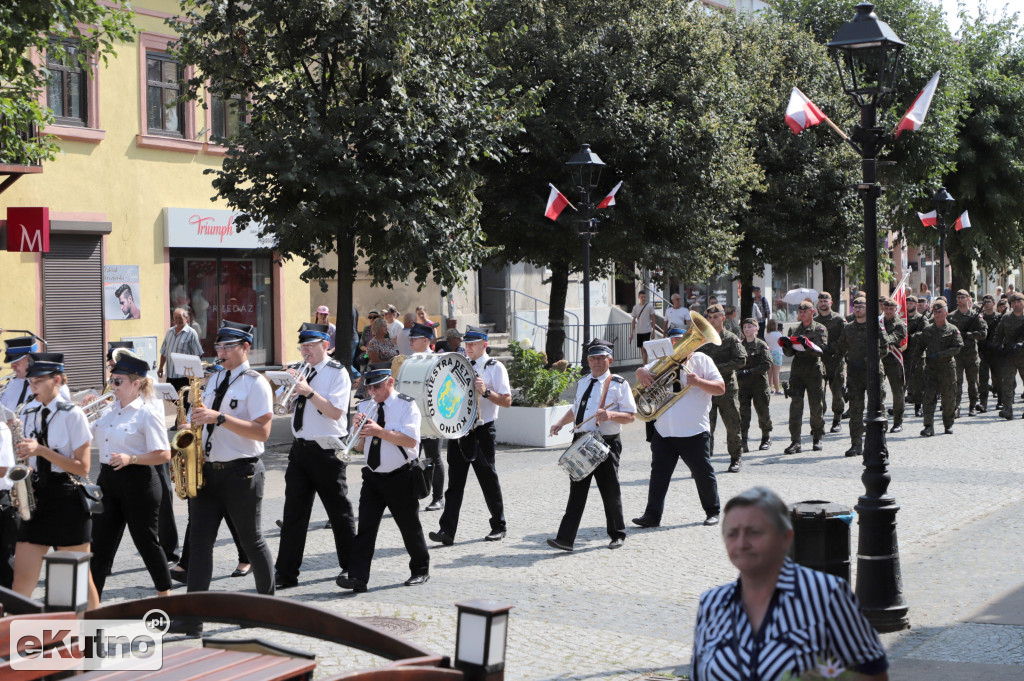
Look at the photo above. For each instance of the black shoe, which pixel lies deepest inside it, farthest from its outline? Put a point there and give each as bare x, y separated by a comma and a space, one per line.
1006, 414
793, 448
180, 576
973, 411
896, 428
187, 626
346, 582
711, 520
435, 505
917, 410
889, 411
496, 535
766, 442
559, 544
327, 525
855, 450
999, 405
949, 430
279, 523
644, 521
616, 543
416, 580
442, 537
957, 415
928, 431
846, 414
817, 446
734, 466
981, 408
835, 427
172, 559
241, 573
746, 447
281, 582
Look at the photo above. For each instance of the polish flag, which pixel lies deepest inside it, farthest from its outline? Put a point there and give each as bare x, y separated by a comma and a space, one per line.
802, 113
914, 118
556, 204
900, 297
610, 199
962, 222
928, 219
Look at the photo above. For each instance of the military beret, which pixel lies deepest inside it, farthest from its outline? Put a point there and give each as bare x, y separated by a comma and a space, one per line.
963, 292
1016, 295
911, 299
717, 307
939, 302
805, 305
860, 301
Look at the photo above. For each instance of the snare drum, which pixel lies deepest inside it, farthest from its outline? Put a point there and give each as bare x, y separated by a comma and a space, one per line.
442, 386
583, 456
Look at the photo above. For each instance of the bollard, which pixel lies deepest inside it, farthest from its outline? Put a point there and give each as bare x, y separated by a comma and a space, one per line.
821, 536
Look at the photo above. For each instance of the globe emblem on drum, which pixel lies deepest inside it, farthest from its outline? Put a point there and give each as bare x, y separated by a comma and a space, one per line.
449, 398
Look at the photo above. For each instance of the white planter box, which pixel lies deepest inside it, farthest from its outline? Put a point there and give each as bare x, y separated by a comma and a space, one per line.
529, 427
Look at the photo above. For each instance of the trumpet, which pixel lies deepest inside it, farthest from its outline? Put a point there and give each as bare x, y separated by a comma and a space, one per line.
284, 404
353, 438
97, 408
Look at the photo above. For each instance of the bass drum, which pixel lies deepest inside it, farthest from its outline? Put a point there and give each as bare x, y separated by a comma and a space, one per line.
442, 386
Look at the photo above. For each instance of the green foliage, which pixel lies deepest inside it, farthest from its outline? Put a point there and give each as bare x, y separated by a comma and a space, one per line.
32, 24
537, 386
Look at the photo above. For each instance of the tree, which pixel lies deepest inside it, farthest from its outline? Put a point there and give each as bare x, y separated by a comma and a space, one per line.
365, 123
651, 86
46, 26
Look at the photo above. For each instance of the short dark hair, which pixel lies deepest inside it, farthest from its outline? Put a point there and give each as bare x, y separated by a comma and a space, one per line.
122, 289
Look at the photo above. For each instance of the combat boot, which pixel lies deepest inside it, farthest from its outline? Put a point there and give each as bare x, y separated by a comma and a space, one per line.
972, 411
1006, 414
856, 450
746, 446
766, 442
817, 446
836, 420
793, 448
917, 409
928, 431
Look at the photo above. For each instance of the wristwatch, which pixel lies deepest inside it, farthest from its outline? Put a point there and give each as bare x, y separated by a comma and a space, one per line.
135, 459
487, 393
221, 419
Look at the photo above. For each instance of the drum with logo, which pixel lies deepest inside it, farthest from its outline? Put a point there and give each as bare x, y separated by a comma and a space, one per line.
583, 456
442, 386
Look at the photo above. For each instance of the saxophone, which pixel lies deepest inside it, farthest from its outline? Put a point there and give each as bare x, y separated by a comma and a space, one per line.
187, 457
22, 494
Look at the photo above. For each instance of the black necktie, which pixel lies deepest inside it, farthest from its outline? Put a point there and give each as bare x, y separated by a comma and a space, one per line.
584, 400
21, 398
300, 404
218, 397
373, 458
43, 438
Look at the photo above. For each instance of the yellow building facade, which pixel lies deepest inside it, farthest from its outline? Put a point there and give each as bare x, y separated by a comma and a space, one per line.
133, 230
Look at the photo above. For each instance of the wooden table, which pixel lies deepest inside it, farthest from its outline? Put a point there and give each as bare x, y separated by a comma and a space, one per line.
212, 664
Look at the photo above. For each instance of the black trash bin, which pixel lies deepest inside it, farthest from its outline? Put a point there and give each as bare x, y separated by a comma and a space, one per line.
821, 536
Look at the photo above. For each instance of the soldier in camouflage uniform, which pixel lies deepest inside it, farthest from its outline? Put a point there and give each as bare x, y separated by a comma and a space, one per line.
853, 345
835, 368
806, 375
989, 355
753, 380
1010, 337
895, 332
972, 329
940, 342
912, 357
729, 357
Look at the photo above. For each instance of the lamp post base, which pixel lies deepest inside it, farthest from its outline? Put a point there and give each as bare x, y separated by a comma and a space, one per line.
879, 579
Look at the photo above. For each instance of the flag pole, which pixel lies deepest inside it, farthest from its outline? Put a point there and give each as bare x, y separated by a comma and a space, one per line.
846, 138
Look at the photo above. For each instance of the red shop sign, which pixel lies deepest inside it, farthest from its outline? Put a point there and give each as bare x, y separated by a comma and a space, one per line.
28, 230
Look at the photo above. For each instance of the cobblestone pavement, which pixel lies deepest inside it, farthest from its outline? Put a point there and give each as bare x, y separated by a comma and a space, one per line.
600, 614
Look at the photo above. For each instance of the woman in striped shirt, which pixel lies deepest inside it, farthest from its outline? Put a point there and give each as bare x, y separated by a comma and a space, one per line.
778, 616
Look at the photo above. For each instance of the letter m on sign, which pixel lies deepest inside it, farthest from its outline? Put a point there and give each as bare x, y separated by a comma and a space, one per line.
28, 230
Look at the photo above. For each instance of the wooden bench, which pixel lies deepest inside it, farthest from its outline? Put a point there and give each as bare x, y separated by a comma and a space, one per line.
214, 664
6, 672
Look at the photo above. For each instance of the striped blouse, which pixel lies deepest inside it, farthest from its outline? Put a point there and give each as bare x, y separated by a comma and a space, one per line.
813, 619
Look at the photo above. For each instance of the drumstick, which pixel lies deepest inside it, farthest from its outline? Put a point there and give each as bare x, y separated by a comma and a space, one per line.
604, 394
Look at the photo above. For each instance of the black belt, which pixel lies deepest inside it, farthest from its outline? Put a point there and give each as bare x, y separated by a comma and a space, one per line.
234, 463
398, 470
310, 443
483, 425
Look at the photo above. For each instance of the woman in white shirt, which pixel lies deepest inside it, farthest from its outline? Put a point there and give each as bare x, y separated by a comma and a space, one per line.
132, 440
56, 446
772, 337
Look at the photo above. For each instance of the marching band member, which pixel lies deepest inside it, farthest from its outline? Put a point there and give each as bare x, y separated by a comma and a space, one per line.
606, 419
477, 448
420, 336
56, 444
9, 519
237, 410
390, 423
18, 392
132, 441
320, 411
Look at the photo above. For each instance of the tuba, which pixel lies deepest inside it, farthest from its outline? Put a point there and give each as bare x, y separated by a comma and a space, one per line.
187, 457
653, 400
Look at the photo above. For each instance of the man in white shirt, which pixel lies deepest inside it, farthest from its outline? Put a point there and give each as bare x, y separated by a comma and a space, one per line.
402, 340
684, 432
391, 318
677, 316
643, 323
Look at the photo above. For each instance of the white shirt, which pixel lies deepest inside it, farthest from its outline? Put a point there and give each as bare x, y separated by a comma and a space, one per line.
68, 428
690, 415
496, 379
402, 341
6, 454
248, 397
10, 397
772, 339
401, 415
333, 384
619, 398
678, 317
642, 316
134, 430
394, 327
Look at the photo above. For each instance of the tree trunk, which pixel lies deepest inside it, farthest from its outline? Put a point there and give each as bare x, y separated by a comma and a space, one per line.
556, 312
346, 242
832, 280
961, 270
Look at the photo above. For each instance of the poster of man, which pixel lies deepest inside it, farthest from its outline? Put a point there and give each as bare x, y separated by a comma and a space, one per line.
121, 292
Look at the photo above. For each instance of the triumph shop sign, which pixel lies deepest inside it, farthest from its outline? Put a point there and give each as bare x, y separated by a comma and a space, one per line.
207, 228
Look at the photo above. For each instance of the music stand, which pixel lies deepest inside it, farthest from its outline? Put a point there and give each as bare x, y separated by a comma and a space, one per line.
188, 365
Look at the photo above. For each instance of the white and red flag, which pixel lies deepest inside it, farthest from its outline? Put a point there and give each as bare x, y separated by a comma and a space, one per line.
900, 297
556, 204
962, 222
928, 219
914, 118
802, 113
610, 199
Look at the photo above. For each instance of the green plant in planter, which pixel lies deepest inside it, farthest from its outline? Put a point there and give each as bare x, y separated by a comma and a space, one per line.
534, 385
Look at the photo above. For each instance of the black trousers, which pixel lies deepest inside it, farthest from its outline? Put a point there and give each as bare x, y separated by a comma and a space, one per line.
186, 544
131, 496
431, 448
476, 450
695, 451
607, 477
313, 471
8, 538
168, 528
394, 492
235, 491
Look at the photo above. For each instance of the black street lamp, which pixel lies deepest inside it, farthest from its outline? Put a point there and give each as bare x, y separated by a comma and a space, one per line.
585, 169
943, 201
867, 52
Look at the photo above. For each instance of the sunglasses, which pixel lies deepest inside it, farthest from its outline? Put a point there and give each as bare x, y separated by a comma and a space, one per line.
226, 346
116, 382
